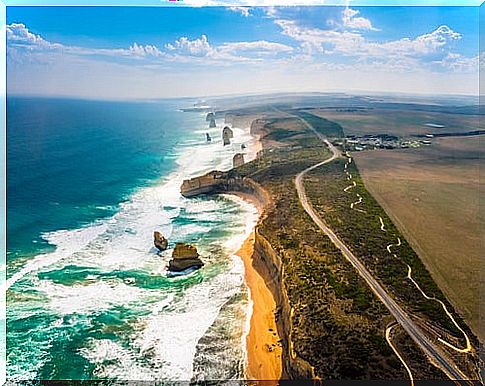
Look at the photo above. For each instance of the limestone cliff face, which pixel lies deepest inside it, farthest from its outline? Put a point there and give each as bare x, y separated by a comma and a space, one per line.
224, 182
257, 127
238, 160
206, 184
268, 264
184, 256
265, 260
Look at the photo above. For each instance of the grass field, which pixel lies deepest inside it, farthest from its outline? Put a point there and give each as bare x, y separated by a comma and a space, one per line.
432, 194
399, 122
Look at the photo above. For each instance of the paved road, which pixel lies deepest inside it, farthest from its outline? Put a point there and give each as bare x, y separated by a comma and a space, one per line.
433, 352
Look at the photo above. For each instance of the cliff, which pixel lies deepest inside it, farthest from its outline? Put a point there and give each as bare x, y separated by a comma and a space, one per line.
217, 182
265, 260
268, 264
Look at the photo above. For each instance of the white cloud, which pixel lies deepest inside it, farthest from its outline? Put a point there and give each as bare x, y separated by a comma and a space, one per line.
185, 49
196, 47
460, 63
352, 21
351, 43
256, 46
423, 45
144, 51
244, 11
315, 39
18, 33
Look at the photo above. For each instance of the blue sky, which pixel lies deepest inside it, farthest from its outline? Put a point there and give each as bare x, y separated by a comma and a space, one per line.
150, 52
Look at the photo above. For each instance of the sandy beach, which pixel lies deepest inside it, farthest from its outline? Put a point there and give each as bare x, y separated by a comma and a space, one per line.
263, 349
262, 346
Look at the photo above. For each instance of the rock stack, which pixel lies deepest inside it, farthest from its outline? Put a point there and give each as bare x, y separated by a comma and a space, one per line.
227, 134
159, 241
238, 160
184, 256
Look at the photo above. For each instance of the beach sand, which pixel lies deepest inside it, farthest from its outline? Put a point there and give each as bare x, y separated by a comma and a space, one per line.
263, 350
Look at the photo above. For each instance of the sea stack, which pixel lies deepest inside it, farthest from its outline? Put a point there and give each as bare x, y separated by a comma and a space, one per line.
212, 123
210, 117
159, 241
227, 134
238, 160
184, 256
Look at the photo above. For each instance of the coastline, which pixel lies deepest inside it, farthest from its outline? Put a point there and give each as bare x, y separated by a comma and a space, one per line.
263, 350
262, 342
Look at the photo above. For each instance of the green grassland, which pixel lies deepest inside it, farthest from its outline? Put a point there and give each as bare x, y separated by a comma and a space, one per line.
338, 324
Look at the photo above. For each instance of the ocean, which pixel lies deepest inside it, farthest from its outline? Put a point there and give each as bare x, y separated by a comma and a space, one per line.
88, 182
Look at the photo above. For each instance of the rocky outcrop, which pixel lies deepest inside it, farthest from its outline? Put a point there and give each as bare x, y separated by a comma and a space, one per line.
210, 117
205, 184
159, 241
208, 137
238, 160
212, 123
225, 182
227, 132
184, 256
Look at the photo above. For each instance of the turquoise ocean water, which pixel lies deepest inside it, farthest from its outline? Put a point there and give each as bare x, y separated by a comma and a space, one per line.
87, 295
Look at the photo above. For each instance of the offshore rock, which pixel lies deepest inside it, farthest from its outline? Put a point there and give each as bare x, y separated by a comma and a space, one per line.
238, 160
212, 123
227, 134
210, 117
159, 241
184, 256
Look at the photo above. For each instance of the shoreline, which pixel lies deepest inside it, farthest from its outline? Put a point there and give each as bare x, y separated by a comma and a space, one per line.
263, 350
261, 340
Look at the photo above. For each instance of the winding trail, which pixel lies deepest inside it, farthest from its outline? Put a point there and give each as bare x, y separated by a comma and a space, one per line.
394, 348
427, 346
382, 224
409, 276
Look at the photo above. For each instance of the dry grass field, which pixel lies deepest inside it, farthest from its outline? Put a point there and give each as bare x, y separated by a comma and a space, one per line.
432, 194
399, 122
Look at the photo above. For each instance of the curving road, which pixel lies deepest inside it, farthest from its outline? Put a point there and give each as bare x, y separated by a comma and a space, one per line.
433, 352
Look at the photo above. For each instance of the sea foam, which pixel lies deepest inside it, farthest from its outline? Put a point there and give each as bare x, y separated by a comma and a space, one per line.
172, 318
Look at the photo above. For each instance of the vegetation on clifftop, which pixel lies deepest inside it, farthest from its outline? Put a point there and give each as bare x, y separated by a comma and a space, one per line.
338, 325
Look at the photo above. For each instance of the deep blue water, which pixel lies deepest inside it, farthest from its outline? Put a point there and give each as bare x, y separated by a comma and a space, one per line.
70, 161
